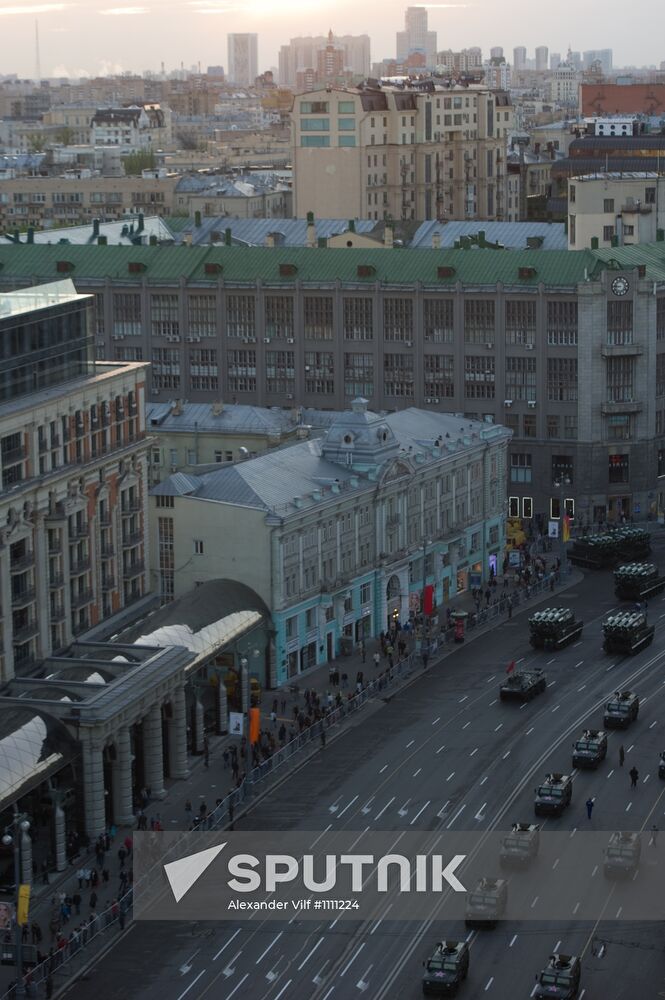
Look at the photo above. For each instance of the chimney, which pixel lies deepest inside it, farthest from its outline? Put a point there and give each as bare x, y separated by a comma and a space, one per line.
228, 236
31, 235
436, 240
352, 225
141, 224
388, 236
270, 240
176, 409
311, 230
95, 228
217, 408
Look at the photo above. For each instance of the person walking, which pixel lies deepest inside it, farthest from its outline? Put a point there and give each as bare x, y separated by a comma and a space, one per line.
622, 755
589, 807
93, 900
634, 776
363, 651
654, 836
273, 719
510, 607
377, 659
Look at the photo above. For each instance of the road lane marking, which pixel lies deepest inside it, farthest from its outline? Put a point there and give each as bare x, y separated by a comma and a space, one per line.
513, 940
236, 988
421, 811
380, 814
490, 679
582, 688
456, 816
366, 808
530, 730
273, 942
577, 644
451, 775
380, 920
307, 957
410, 744
610, 773
484, 779
493, 702
628, 807
551, 684
473, 752
441, 748
556, 947
631, 747
576, 908
283, 989
443, 809
579, 664
497, 728
235, 934
383, 769
535, 901
556, 708
644, 780
438, 719
479, 814
489, 983
653, 724
362, 983
352, 960
354, 799
553, 867
403, 811
594, 872
194, 982
550, 662
506, 755
463, 698
416, 773
329, 827
466, 724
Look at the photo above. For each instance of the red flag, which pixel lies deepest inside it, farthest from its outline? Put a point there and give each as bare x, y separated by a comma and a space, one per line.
428, 599
510, 667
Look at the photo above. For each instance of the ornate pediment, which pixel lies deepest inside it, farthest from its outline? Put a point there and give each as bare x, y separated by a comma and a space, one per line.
396, 470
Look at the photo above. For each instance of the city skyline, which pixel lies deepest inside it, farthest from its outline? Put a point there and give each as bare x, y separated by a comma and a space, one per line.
176, 40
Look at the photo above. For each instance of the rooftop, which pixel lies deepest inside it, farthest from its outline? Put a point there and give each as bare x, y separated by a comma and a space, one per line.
236, 418
28, 300
124, 233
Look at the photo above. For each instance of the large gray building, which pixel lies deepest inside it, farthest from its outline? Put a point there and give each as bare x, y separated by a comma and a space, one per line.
565, 348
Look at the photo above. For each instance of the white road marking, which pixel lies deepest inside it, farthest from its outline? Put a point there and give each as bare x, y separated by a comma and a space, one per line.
330, 991
451, 775
335, 806
484, 779
582, 688
376, 925
366, 808
497, 728
438, 719
354, 799
383, 769
644, 780
576, 645
403, 811
653, 724
628, 807
456, 816
553, 867
410, 744
576, 908
580, 663
523, 705
273, 942
573, 832
194, 982
307, 957
550, 662
535, 901
235, 934
513, 940
352, 959
466, 724
441, 748
236, 988
529, 730
556, 947
595, 870
283, 989
463, 698
490, 679
551, 684
556, 708
506, 754
473, 752
610, 773
618, 912
380, 814
493, 702
631, 747
443, 809
329, 827
479, 814
421, 811
416, 773
489, 983
362, 983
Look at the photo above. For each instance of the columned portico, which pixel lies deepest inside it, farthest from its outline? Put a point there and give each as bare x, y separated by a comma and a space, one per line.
93, 783
177, 735
153, 754
122, 779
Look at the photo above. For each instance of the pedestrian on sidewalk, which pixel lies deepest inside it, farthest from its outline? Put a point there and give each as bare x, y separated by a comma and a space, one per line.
622, 755
589, 807
634, 776
345, 679
81, 877
274, 705
105, 876
331, 675
362, 650
225, 758
76, 900
377, 659
206, 753
93, 900
336, 677
273, 719
122, 854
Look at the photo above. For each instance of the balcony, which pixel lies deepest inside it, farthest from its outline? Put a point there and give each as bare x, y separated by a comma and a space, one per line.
134, 569
78, 628
627, 406
22, 563
54, 546
57, 612
25, 631
626, 349
77, 566
80, 598
56, 580
132, 538
23, 597
79, 530
108, 582
131, 507
105, 518
108, 550
43, 445
14, 455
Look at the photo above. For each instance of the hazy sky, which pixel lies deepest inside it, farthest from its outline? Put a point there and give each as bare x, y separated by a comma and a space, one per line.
96, 36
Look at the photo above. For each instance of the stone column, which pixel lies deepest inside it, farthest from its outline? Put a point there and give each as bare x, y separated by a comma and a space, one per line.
26, 857
222, 707
153, 755
122, 779
177, 729
197, 728
244, 685
93, 789
59, 836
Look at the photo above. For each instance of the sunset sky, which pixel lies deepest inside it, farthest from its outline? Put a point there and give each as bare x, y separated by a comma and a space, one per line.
98, 36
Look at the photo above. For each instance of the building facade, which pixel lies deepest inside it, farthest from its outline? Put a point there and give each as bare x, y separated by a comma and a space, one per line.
416, 39
341, 536
610, 209
400, 153
74, 475
548, 343
243, 55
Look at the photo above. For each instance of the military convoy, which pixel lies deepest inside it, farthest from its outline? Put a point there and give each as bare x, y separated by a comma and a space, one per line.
559, 979
638, 581
523, 685
553, 795
486, 903
618, 545
622, 709
520, 847
554, 628
446, 969
591, 749
627, 632
622, 855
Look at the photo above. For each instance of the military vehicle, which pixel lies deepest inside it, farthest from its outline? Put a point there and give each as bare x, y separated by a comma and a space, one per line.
622, 854
446, 968
661, 766
611, 547
486, 904
622, 709
637, 581
523, 685
591, 749
559, 979
627, 632
520, 846
554, 628
553, 795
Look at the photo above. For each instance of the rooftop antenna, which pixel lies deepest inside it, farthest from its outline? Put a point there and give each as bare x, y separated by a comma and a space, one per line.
38, 68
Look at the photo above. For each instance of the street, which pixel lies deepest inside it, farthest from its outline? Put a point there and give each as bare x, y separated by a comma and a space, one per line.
444, 753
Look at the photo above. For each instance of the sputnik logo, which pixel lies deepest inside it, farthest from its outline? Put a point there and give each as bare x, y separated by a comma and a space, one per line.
183, 874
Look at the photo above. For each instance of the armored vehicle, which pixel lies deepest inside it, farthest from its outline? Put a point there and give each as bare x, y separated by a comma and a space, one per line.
523, 685
618, 545
486, 904
520, 846
559, 979
591, 749
622, 709
622, 855
637, 581
446, 968
627, 632
554, 628
553, 795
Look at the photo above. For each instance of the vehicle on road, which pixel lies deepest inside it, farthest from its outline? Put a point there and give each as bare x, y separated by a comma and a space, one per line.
627, 632
591, 748
619, 545
559, 979
446, 969
622, 855
486, 904
638, 581
520, 846
622, 709
523, 685
553, 795
554, 628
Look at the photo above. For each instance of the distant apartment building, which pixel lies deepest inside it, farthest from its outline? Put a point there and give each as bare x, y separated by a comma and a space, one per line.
301, 55
541, 59
519, 58
73, 477
245, 197
498, 74
600, 57
133, 128
416, 39
400, 153
563, 85
616, 209
243, 58
465, 61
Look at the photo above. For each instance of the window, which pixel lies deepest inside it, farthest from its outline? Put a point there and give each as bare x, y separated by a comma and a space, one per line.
280, 372
620, 377
619, 427
398, 375
165, 369
618, 469
320, 141
660, 318
650, 196
358, 319
315, 125
520, 322
279, 316
608, 233
520, 378
628, 230
479, 321
479, 377
198, 547
608, 205
561, 323
219, 456
319, 372
318, 317
520, 467
660, 374
315, 107
128, 353
240, 316
365, 593
202, 315
126, 314
570, 427
203, 371
398, 319
620, 322
345, 107
562, 380
527, 507
241, 371
513, 506
552, 426
571, 229
164, 316
562, 467
438, 321
346, 124
529, 425
291, 627
571, 194
439, 375
358, 375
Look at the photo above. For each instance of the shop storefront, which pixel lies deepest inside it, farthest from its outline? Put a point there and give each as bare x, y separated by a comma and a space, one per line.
462, 579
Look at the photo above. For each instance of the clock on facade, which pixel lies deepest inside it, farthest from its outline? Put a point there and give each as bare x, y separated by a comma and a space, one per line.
620, 286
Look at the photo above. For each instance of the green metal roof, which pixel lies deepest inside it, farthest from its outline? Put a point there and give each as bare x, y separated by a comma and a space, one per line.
320, 266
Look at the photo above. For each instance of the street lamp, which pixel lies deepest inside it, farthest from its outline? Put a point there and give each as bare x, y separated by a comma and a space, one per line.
12, 836
560, 485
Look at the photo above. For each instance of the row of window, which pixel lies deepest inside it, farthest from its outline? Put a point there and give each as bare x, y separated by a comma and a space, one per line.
521, 467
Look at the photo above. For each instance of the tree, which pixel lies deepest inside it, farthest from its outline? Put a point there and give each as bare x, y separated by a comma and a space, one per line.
136, 162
